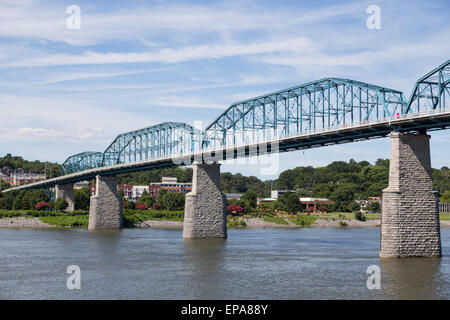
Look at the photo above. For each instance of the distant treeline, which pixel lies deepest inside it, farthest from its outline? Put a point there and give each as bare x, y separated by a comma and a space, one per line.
15, 162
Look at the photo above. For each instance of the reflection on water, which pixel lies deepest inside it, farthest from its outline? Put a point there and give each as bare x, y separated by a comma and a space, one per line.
308, 263
411, 278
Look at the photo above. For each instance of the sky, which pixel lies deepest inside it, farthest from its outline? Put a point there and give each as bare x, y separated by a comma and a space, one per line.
129, 65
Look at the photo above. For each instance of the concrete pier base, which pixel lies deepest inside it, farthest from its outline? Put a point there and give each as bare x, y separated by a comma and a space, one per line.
205, 213
105, 212
65, 191
410, 217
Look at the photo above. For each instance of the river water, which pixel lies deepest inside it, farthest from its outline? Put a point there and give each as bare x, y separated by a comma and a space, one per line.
308, 263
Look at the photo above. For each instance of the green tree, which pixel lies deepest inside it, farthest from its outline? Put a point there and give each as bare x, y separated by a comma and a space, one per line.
172, 201
292, 202
251, 197
160, 196
82, 198
147, 199
61, 204
445, 198
374, 206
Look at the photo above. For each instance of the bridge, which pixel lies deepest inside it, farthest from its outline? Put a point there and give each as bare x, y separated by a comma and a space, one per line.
319, 113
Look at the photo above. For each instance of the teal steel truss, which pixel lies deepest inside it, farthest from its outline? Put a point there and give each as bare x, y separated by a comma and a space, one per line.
432, 91
163, 140
319, 105
82, 161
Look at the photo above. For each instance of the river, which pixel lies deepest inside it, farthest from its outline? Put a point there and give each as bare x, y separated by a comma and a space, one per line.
307, 263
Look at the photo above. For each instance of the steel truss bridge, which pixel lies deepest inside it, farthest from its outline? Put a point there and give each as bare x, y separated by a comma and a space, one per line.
319, 113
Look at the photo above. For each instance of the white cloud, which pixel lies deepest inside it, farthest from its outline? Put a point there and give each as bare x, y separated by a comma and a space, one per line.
61, 134
44, 20
184, 102
169, 55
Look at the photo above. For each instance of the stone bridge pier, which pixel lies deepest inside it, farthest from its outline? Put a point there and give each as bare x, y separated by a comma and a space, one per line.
205, 212
410, 217
105, 212
65, 191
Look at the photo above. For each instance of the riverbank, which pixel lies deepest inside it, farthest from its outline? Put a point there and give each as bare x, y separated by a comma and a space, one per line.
173, 220
23, 222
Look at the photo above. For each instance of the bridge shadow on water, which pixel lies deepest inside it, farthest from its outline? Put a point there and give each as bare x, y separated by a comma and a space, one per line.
412, 278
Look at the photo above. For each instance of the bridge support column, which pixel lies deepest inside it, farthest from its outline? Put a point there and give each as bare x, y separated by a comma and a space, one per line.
410, 217
105, 210
65, 191
205, 213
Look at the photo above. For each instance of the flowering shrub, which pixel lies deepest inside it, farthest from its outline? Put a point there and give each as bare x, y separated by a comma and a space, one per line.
43, 205
323, 208
142, 206
156, 206
234, 209
310, 209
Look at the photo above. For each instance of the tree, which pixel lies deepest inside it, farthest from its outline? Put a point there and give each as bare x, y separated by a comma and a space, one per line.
147, 199
172, 201
61, 204
250, 197
82, 198
446, 196
161, 194
374, 206
292, 202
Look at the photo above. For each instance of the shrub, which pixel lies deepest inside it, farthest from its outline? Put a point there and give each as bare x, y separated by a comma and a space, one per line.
234, 209
343, 223
359, 216
61, 204
157, 206
43, 205
141, 206
236, 224
302, 220
310, 209
323, 208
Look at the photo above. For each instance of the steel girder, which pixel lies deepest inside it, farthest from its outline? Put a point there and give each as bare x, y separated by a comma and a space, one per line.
431, 91
82, 161
163, 140
318, 105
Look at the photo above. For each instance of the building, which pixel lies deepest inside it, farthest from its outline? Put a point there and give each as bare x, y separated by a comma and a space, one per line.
137, 191
92, 189
444, 207
275, 194
264, 200
170, 184
365, 203
4, 177
233, 196
314, 203
127, 190
81, 185
19, 178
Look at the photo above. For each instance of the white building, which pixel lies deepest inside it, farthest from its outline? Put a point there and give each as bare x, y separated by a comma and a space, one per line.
137, 191
275, 194
231, 196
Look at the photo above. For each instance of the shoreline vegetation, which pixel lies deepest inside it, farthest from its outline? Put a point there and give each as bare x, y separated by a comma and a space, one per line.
15, 219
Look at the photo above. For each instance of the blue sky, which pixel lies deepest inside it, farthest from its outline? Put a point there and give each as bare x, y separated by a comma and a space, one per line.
129, 66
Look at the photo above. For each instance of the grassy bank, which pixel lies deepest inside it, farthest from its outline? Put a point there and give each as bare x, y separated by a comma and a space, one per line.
80, 219
445, 216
